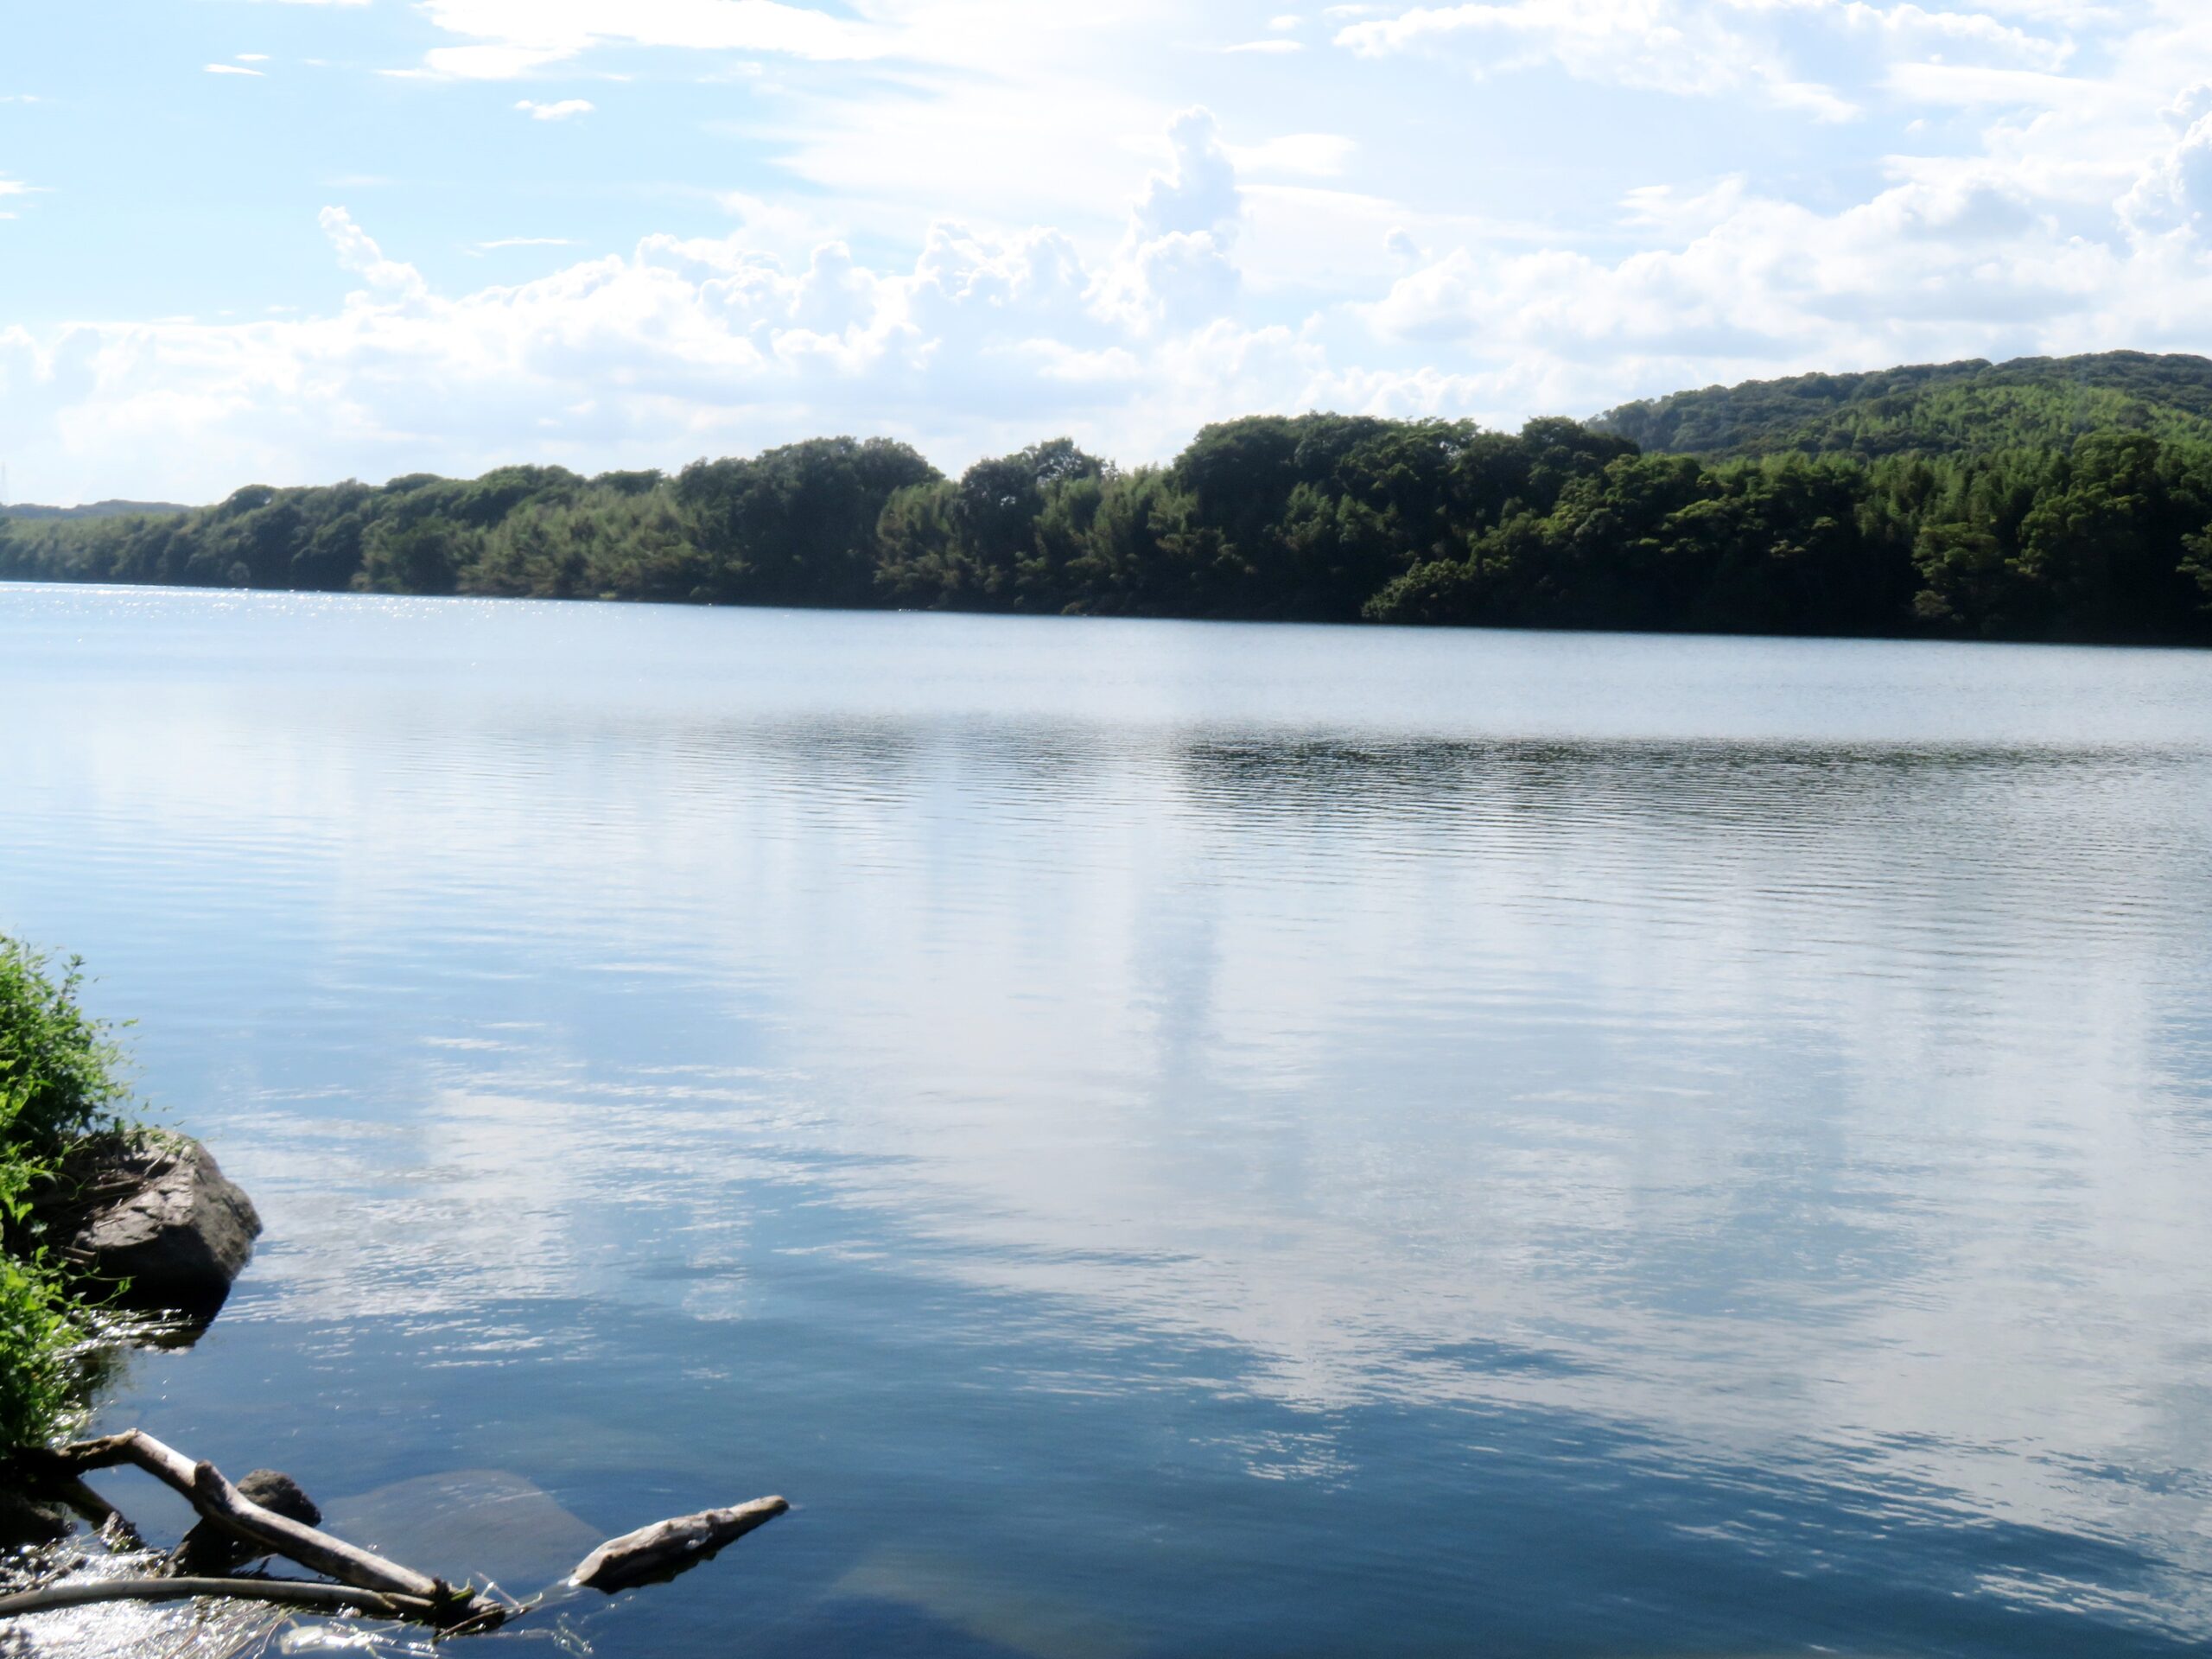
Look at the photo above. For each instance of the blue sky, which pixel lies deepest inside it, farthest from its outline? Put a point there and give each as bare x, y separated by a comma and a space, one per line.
293, 240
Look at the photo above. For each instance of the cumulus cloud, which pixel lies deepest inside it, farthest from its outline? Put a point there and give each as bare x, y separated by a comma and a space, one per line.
357, 253
1198, 194
2174, 194
1248, 267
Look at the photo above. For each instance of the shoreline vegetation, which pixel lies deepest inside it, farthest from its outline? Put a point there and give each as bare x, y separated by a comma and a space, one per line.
60, 1095
2040, 500
112, 1232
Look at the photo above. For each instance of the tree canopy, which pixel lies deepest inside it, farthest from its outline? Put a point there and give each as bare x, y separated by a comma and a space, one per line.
2061, 501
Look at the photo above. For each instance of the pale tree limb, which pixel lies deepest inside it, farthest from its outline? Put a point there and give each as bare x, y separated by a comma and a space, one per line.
330, 1597
669, 1546
203, 1484
368, 1582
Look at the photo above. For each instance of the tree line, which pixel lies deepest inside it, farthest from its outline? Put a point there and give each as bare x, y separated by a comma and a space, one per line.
1312, 518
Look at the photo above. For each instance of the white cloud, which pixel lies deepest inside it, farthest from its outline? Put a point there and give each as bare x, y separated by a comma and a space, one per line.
2174, 195
254, 57
1908, 29
560, 112
986, 338
359, 255
1969, 85
896, 264
1308, 155
516, 36
1198, 194
1277, 47
1688, 47
231, 69
494, 245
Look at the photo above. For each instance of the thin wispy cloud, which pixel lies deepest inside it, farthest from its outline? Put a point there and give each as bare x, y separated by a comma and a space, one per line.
231, 69
508, 38
567, 109
498, 243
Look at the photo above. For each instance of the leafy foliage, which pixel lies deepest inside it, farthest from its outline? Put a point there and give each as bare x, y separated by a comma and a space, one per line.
58, 1088
2042, 499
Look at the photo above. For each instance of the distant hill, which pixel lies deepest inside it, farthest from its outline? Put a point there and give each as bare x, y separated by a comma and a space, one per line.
95, 510
1946, 408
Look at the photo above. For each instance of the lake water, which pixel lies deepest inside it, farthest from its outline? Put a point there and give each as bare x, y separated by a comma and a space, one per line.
1169, 1139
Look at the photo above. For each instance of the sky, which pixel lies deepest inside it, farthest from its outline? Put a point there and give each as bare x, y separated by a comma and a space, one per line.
290, 241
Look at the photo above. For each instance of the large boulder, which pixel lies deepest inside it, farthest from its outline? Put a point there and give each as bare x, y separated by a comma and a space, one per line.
163, 1217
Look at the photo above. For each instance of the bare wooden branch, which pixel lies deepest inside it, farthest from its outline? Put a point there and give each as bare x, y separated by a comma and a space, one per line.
368, 1582
329, 1597
669, 1546
265, 1530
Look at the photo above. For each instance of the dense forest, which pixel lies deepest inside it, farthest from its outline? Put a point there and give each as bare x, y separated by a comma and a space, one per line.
2067, 500
1942, 408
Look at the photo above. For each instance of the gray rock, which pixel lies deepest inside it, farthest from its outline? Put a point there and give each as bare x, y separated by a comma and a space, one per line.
209, 1552
167, 1220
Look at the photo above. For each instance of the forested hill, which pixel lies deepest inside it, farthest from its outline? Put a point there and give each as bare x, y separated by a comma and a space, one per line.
2104, 537
1942, 409
93, 510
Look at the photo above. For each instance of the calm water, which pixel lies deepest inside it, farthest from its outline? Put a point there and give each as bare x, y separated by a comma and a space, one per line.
1174, 1139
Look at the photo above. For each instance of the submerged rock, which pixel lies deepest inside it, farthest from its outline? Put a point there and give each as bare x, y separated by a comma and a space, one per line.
159, 1213
27, 1523
209, 1552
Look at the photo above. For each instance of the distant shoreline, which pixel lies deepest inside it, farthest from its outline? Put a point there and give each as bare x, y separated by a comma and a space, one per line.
2037, 502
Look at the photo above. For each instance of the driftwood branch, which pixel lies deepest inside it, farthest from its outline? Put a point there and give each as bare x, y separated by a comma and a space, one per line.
368, 1582
329, 1597
667, 1546
203, 1484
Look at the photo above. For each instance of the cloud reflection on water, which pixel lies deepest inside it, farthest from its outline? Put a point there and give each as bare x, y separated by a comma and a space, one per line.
1807, 1105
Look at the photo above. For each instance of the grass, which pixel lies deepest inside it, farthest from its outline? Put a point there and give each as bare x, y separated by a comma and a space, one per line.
60, 1086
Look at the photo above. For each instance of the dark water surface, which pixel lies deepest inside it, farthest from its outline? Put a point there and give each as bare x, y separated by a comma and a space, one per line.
1174, 1140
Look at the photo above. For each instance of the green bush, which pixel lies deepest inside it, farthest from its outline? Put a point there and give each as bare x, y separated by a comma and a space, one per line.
59, 1087
41, 1330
